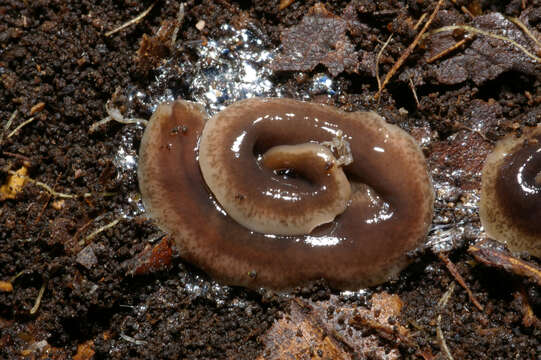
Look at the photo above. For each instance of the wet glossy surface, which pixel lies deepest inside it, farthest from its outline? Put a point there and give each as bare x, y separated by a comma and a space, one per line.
518, 191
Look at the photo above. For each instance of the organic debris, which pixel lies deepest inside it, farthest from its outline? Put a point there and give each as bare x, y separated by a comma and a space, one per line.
284, 4
154, 49
331, 332
499, 46
85, 351
6, 286
408, 51
441, 338
135, 20
528, 316
151, 259
14, 184
454, 271
49, 189
320, 38
504, 260
114, 114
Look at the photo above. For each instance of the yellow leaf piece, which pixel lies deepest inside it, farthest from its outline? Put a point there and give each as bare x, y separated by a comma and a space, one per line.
14, 184
6, 286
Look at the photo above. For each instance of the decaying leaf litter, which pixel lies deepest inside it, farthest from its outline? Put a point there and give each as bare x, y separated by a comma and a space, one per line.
471, 78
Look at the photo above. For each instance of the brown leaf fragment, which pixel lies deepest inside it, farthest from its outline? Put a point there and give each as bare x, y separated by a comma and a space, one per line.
320, 38
151, 259
504, 260
323, 330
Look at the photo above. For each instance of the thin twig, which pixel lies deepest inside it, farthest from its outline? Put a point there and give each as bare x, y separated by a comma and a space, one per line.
464, 9
47, 201
378, 57
473, 30
8, 125
83, 228
454, 272
409, 50
412, 87
16, 276
525, 29
420, 21
18, 156
135, 20
21, 126
180, 19
441, 304
448, 50
101, 229
38, 299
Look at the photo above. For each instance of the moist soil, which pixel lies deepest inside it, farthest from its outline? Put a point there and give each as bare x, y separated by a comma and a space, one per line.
93, 306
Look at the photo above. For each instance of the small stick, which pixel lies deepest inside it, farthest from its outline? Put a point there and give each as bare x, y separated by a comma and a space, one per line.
8, 124
16, 276
447, 51
378, 57
38, 299
47, 201
464, 9
20, 127
412, 87
409, 50
453, 270
180, 19
83, 228
441, 304
473, 30
18, 156
101, 229
135, 20
420, 21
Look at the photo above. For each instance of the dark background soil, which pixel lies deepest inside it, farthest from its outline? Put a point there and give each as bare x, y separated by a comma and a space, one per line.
55, 52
